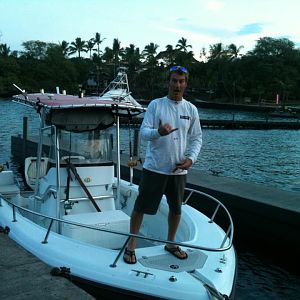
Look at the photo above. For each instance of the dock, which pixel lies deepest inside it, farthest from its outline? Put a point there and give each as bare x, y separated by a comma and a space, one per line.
237, 124
244, 124
23, 276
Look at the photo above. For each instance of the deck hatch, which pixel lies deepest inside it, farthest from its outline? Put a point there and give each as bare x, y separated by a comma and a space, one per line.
196, 260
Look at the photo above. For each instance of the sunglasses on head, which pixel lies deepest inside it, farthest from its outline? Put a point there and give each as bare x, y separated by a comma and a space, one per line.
178, 68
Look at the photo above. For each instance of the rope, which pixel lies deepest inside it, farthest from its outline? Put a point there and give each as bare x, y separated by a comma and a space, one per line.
62, 271
4, 230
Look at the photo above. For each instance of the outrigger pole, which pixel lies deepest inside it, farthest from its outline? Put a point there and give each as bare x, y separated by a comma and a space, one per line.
22, 91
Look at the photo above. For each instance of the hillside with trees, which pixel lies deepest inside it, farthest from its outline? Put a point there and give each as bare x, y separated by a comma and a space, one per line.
219, 73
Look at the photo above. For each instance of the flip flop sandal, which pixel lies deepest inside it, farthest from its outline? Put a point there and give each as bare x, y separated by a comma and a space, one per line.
174, 250
130, 253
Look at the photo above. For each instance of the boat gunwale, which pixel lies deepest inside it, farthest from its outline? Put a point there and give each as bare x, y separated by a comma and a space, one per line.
222, 248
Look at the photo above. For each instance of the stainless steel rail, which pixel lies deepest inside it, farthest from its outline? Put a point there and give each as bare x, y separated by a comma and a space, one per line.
227, 237
86, 198
230, 229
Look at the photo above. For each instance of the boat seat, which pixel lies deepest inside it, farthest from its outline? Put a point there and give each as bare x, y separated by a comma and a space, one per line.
31, 169
114, 220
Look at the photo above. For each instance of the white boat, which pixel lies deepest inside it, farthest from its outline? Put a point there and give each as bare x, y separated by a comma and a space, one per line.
77, 216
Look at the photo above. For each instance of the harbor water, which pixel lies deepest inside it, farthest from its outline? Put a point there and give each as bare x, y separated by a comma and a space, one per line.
268, 157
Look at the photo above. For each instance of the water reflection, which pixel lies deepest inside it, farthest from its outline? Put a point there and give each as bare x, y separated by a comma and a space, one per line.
270, 157
258, 280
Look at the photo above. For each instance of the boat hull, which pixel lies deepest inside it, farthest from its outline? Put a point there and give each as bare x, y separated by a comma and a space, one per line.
97, 266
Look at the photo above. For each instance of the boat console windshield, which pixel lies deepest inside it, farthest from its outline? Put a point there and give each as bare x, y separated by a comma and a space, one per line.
89, 148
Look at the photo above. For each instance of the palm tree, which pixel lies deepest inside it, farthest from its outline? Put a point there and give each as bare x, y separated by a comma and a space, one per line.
169, 55
183, 56
4, 50
149, 54
117, 52
108, 55
151, 61
97, 40
217, 60
132, 57
217, 51
78, 46
182, 45
90, 45
64, 45
234, 51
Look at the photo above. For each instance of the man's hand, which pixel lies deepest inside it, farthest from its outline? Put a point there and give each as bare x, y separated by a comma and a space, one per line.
165, 129
183, 165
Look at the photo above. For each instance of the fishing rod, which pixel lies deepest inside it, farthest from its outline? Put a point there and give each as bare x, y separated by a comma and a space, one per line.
23, 92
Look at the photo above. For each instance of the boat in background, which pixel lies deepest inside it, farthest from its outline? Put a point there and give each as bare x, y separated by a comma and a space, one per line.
286, 112
118, 89
77, 216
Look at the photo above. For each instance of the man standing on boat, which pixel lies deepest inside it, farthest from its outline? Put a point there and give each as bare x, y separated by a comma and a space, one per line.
172, 128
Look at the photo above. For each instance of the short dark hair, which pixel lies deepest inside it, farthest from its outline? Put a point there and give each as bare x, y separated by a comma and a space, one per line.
178, 70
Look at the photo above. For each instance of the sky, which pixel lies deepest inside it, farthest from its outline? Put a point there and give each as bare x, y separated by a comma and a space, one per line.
140, 22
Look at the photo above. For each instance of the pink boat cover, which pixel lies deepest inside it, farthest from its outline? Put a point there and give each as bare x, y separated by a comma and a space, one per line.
54, 101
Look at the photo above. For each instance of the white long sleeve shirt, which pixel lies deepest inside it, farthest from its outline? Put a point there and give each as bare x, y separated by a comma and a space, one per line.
163, 152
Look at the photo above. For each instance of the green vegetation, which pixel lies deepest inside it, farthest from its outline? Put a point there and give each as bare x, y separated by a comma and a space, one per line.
220, 74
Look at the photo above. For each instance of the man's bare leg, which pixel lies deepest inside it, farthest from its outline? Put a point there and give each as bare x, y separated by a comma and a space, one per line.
135, 225
173, 222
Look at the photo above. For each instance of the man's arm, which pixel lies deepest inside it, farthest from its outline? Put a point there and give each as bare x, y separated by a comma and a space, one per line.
149, 127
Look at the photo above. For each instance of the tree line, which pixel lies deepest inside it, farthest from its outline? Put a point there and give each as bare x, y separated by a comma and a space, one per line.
220, 73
